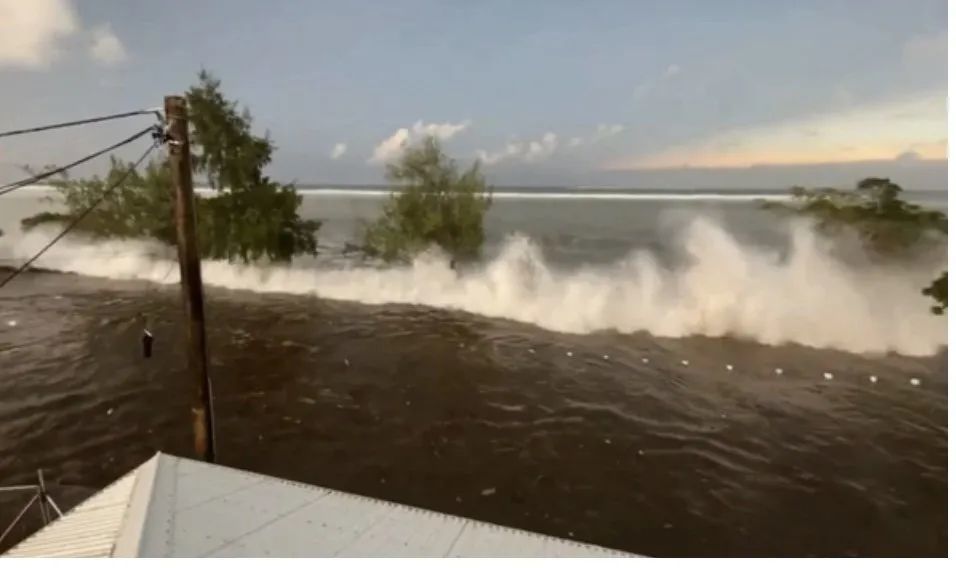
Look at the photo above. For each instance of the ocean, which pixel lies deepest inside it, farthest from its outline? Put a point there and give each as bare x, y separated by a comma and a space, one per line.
676, 374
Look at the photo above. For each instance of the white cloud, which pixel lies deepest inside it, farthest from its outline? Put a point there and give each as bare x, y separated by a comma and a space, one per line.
106, 47
338, 150
651, 84
392, 147
533, 151
879, 131
606, 131
35, 33
31, 31
543, 149
510, 151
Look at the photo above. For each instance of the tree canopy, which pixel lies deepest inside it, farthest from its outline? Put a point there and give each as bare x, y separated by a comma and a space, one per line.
432, 203
249, 217
890, 227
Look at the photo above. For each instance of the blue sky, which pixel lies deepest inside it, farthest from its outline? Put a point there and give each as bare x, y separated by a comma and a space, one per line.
545, 92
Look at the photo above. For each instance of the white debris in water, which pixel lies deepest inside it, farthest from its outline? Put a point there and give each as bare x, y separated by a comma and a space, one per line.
531, 350
722, 415
12, 323
730, 367
570, 354
915, 382
605, 357
461, 345
109, 412
347, 364
644, 360
458, 499
640, 452
778, 371
828, 376
874, 378
685, 362
571, 534
408, 403
607, 441
487, 492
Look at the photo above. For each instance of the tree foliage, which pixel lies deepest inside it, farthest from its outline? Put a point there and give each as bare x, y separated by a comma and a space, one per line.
889, 226
431, 204
249, 217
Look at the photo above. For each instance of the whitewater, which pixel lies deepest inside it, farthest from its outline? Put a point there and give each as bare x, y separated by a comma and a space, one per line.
721, 287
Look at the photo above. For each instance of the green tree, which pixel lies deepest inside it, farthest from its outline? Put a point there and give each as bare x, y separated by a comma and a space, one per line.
431, 204
890, 227
249, 217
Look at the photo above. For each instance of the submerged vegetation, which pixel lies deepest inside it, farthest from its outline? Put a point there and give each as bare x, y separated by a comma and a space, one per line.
890, 227
432, 204
249, 217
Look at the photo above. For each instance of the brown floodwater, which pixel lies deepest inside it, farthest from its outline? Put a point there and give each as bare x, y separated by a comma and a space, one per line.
628, 441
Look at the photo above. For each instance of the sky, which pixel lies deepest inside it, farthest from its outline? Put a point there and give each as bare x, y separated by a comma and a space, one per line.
656, 94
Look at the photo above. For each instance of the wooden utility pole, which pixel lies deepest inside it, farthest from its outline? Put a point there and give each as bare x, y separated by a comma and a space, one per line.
190, 276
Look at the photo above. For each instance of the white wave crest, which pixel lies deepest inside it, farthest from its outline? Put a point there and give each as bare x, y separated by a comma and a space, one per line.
722, 288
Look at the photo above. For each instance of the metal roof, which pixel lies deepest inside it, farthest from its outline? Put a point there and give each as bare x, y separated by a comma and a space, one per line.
176, 507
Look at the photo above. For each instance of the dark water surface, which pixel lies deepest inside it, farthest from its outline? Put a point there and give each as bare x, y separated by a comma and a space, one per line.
605, 438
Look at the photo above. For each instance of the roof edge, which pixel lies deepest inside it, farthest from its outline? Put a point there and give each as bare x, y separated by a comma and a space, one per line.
128, 540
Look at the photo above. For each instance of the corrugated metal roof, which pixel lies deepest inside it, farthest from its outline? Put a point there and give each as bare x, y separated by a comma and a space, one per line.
88, 530
183, 508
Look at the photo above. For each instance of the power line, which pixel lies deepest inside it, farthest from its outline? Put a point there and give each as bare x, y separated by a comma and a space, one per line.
81, 216
4, 189
81, 122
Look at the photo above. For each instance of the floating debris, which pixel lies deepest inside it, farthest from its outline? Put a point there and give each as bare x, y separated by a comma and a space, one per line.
605, 357
12, 323
531, 350
306, 400
915, 382
730, 367
827, 376
640, 452
607, 441
571, 534
408, 403
685, 362
461, 345
347, 364
109, 412
644, 360
874, 378
458, 499
778, 371
570, 354
487, 492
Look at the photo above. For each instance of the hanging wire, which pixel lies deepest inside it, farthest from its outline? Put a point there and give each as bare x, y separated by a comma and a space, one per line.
82, 215
154, 111
5, 189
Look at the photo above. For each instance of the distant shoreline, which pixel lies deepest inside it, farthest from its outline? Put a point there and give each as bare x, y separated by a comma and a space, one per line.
566, 193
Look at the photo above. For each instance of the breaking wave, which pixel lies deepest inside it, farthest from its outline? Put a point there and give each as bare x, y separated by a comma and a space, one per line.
721, 287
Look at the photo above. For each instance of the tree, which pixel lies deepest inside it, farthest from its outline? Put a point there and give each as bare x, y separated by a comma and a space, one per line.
431, 204
250, 217
890, 227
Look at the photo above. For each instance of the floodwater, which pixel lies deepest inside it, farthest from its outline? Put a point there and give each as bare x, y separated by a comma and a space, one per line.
592, 422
